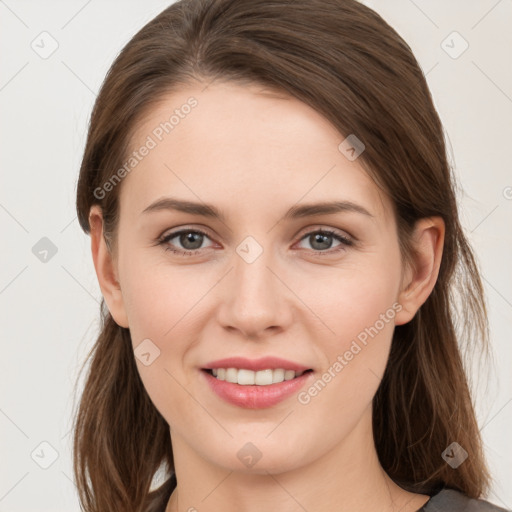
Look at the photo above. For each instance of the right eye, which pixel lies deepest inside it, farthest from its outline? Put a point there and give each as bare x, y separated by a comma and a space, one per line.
190, 239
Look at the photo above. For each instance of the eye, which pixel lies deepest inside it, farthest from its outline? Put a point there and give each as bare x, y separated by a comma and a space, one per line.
190, 239
321, 241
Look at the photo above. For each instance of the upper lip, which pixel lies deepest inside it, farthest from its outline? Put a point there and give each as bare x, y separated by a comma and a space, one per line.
264, 363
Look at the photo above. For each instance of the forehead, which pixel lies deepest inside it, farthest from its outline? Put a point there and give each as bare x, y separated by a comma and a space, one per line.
244, 146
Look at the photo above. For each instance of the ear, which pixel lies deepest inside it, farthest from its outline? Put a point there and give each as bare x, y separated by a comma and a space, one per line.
420, 277
106, 270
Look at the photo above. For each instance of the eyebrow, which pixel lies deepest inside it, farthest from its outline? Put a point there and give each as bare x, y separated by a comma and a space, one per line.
295, 212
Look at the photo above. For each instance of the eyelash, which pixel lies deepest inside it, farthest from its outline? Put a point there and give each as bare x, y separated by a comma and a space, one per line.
164, 241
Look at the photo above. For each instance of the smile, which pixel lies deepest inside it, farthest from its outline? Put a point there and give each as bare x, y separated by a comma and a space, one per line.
255, 383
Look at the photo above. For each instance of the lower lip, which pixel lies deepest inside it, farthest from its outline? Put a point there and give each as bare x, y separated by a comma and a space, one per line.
256, 397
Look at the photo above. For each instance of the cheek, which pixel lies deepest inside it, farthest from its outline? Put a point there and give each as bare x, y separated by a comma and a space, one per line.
158, 297
168, 303
354, 358
162, 305
359, 307
351, 301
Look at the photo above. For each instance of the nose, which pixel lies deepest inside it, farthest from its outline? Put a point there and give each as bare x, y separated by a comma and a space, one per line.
255, 301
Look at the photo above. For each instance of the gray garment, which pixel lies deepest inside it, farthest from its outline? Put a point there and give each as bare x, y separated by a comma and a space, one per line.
449, 500
446, 500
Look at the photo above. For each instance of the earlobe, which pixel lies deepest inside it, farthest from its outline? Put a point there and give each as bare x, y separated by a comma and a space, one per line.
421, 277
105, 266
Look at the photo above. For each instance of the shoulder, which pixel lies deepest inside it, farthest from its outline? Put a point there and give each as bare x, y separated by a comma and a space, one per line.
450, 500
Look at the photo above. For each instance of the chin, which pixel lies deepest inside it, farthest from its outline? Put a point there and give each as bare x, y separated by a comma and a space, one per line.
258, 455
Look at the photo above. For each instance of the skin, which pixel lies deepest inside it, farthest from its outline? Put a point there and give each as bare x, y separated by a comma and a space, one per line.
253, 155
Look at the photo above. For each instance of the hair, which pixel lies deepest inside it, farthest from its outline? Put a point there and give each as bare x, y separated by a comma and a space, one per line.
342, 59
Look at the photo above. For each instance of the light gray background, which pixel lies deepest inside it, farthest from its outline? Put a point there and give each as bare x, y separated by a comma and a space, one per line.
49, 310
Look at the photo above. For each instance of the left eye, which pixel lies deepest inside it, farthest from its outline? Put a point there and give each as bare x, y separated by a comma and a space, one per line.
323, 240
192, 241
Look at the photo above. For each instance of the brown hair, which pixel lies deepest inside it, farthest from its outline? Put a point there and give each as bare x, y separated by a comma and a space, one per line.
346, 62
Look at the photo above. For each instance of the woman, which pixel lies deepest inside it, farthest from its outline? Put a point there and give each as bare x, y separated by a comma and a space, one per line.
275, 233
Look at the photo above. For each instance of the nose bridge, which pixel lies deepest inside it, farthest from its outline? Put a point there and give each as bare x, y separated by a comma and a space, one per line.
256, 300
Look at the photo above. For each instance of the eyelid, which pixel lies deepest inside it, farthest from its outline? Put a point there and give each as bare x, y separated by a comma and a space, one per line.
327, 229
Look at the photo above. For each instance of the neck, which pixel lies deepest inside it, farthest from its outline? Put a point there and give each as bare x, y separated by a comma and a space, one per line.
347, 478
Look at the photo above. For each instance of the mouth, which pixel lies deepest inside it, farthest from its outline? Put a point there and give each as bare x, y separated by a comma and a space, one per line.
255, 383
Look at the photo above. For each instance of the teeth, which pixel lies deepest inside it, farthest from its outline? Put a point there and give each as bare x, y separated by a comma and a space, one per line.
278, 375
260, 378
232, 375
289, 374
245, 377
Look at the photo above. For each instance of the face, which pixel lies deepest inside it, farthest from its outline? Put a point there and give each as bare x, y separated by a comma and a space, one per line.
265, 278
